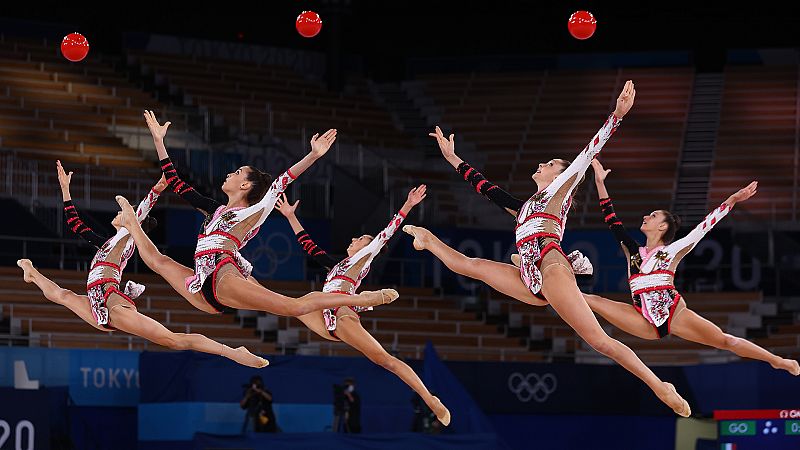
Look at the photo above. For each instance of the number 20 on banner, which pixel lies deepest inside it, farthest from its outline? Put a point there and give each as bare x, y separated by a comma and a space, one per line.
23, 434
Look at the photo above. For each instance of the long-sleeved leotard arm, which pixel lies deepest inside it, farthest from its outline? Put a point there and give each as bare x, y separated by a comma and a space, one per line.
383, 237
267, 204
319, 255
147, 204
616, 227
206, 205
579, 165
685, 244
362, 259
490, 190
79, 227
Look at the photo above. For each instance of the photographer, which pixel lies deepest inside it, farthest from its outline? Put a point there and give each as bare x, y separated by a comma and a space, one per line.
346, 407
258, 403
425, 420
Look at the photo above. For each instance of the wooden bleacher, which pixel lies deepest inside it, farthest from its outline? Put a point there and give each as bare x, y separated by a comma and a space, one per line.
240, 92
404, 327
50, 325
52, 109
757, 140
728, 310
521, 119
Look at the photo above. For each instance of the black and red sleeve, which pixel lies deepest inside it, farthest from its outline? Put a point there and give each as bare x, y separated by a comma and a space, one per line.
79, 227
482, 186
185, 191
319, 255
616, 227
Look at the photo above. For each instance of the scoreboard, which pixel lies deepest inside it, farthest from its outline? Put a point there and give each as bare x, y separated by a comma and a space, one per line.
758, 429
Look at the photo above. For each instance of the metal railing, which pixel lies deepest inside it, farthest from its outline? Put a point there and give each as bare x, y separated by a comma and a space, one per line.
36, 182
64, 253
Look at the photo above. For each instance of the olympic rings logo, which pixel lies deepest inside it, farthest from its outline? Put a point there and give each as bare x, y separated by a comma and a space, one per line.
265, 251
532, 386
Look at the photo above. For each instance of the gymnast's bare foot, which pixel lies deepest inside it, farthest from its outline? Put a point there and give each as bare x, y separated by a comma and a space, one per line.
243, 356
375, 298
420, 234
442, 413
672, 399
28, 270
128, 214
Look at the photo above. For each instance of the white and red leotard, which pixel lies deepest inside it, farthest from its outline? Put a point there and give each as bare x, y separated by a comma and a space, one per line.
651, 273
541, 220
224, 233
113, 253
345, 276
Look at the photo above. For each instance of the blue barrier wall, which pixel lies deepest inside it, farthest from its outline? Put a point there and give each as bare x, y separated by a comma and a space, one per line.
112, 378
94, 377
578, 404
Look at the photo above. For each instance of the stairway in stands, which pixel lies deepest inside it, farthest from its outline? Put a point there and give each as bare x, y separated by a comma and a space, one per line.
697, 155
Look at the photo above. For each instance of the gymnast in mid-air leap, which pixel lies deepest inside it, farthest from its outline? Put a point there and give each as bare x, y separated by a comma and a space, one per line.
221, 275
106, 306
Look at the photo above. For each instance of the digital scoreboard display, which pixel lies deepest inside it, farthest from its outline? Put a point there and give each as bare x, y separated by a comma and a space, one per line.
758, 429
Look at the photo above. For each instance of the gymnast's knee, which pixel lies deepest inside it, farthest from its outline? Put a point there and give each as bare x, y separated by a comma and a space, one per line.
175, 341
729, 341
602, 344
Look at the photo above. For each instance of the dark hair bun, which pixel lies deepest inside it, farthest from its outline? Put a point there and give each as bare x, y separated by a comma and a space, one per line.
149, 223
260, 182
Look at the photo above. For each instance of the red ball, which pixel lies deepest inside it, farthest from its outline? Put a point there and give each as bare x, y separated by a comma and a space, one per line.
74, 47
308, 24
581, 25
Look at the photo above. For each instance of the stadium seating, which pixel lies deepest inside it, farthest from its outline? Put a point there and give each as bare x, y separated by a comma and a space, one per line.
248, 97
522, 119
757, 140
53, 109
735, 312
456, 333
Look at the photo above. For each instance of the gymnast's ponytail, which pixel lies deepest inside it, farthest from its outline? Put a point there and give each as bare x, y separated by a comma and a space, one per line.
259, 182
673, 224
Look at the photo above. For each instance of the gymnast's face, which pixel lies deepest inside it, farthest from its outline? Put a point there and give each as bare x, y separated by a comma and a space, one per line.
237, 180
358, 243
547, 172
117, 221
654, 222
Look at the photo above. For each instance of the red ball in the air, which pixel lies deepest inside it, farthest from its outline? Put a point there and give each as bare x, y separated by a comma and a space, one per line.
582, 25
308, 24
74, 47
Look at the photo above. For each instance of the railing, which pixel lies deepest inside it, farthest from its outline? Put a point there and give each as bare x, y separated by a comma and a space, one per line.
90, 340
186, 124
36, 182
779, 279
410, 351
51, 252
74, 254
